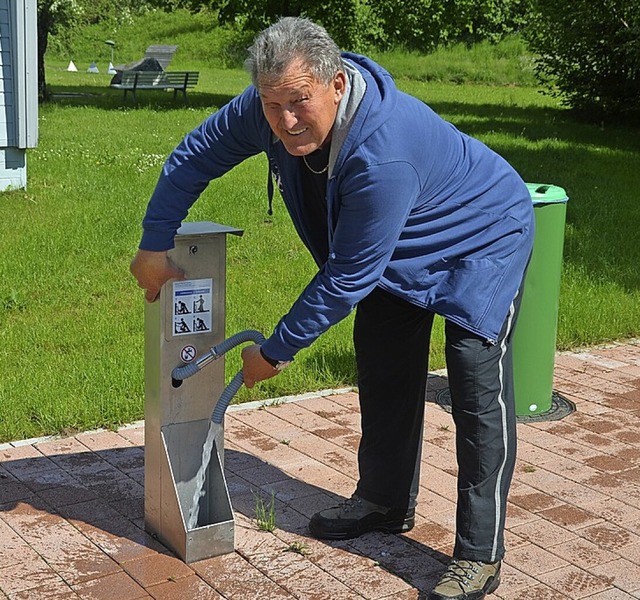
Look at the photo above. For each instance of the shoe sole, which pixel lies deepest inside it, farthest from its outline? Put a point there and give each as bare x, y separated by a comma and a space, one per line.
403, 527
494, 585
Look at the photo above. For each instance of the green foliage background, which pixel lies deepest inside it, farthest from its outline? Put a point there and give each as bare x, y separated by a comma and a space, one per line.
70, 313
588, 53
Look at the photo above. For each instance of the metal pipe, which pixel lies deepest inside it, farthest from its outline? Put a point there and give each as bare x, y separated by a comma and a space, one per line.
185, 371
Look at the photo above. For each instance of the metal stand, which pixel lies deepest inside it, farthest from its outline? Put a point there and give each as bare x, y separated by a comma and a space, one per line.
181, 326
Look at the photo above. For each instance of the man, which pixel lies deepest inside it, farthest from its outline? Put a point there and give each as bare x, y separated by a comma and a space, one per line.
406, 217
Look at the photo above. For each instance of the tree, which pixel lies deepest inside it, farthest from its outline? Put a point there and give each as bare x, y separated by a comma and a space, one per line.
424, 25
53, 16
351, 23
361, 24
589, 54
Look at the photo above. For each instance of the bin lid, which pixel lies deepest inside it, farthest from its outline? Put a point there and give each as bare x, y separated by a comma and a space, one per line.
544, 193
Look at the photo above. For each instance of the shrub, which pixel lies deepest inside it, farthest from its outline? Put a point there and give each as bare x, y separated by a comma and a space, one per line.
589, 53
424, 25
361, 25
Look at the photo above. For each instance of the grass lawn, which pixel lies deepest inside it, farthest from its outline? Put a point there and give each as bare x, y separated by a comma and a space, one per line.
71, 315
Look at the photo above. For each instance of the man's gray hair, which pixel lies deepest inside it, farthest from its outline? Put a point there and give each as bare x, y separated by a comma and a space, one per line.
290, 39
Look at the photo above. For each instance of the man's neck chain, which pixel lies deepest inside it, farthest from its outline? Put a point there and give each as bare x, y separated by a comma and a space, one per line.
304, 158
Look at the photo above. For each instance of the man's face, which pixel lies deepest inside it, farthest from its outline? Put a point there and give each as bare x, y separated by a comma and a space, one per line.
300, 110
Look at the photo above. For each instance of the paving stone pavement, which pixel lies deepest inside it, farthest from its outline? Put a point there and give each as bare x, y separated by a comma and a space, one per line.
72, 514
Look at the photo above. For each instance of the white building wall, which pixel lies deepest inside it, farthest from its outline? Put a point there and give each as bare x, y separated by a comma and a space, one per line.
18, 89
7, 112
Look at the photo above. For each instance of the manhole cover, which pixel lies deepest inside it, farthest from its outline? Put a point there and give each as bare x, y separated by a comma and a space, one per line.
560, 407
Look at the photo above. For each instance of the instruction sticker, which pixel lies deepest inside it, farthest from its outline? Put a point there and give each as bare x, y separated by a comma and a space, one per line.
192, 304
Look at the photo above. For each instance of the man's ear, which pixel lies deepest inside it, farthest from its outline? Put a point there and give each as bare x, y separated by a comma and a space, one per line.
339, 85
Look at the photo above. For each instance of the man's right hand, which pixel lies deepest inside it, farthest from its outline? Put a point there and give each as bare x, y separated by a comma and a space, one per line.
153, 270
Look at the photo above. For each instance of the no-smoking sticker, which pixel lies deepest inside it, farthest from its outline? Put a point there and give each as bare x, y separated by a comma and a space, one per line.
188, 353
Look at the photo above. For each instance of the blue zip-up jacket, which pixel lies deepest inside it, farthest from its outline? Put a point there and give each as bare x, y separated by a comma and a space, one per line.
414, 206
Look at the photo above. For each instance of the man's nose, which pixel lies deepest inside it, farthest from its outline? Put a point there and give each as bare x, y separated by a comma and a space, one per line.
288, 118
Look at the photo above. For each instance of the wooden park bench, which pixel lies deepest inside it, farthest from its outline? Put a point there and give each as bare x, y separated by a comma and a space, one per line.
178, 81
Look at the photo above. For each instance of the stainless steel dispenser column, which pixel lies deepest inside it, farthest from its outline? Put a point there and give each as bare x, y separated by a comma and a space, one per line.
186, 321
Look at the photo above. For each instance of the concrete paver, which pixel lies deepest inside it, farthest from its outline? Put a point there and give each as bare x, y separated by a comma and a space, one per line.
72, 509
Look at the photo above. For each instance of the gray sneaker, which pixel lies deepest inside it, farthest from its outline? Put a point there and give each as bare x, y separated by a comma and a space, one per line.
356, 516
467, 580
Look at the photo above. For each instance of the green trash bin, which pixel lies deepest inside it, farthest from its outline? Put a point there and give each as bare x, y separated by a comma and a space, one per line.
534, 338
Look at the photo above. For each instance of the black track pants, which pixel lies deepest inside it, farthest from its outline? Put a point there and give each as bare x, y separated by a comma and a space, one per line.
391, 340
